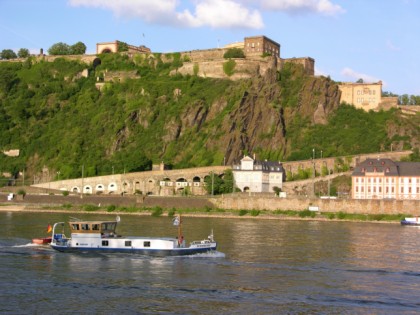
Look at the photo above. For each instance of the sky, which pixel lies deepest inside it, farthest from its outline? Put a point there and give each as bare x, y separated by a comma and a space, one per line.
373, 40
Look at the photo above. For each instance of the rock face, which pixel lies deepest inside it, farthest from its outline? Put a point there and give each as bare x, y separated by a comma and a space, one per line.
259, 120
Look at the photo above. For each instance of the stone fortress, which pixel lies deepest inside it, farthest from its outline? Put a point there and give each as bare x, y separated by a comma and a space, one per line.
261, 53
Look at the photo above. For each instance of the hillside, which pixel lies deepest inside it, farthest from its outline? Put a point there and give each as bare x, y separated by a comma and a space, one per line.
60, 120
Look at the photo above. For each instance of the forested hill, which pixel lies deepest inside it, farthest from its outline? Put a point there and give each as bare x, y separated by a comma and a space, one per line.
60, 120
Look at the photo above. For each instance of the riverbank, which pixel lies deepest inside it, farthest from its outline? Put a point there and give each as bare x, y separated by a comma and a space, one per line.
288, 215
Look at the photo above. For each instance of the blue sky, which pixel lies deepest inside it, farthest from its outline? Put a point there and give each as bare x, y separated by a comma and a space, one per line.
349, 39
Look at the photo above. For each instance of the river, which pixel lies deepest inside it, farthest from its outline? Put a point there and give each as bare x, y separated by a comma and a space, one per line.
261, 267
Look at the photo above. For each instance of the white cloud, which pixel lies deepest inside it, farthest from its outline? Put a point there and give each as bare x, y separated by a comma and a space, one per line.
222, 13
354, 76
213, 13
324, 7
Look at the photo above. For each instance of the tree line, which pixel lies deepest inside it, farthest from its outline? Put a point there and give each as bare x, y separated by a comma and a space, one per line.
57, 49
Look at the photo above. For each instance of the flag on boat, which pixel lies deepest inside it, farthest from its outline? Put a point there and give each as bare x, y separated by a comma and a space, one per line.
176, 220
49, 228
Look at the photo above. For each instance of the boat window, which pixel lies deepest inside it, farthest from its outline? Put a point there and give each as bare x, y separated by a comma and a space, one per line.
75, 226
85, 226
108, 226
105, 243
146, 244
127, 243
95, 227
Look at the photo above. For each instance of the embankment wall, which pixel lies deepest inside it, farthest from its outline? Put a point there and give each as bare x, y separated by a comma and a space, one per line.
246, 202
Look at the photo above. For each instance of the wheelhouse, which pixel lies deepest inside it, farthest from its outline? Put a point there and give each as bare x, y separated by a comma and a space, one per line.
94, 227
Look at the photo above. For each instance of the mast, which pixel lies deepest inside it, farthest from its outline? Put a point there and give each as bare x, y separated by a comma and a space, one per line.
180, 237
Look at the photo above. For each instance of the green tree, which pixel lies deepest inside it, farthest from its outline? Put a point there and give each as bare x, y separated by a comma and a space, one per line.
59, 49
8, 54
219, 185
229, 67
234, 53
23, 53
78, 49
122, 46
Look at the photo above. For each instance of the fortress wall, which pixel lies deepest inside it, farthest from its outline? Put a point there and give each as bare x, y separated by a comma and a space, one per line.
246, 202
244, 68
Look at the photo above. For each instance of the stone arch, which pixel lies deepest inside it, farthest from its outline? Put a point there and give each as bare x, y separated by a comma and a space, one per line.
246, 189
181, 182
106, 51
75, 189
96, 62
112, 187
87, 189
100, 188
196, 180
136, 186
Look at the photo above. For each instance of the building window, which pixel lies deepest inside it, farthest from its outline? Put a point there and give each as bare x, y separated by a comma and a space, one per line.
146, 244
128, 243
357, 188
105, 243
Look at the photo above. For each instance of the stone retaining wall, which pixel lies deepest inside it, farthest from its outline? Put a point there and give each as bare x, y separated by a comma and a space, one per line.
242, 201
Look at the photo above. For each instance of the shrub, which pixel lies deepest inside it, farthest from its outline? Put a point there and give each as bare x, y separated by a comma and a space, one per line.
65, 193
171, 212
90, 208
306, 213
111, 208
242, 212
234, 53
157, 212
207, 208
330, 216
196, 69
255, 213
21, 192
341, 215
229, 67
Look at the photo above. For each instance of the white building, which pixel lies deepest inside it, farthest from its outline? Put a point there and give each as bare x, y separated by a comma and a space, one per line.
258, 176
386, 179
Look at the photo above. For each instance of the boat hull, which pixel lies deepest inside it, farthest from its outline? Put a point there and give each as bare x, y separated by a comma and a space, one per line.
410, 223
41, 240
139, 251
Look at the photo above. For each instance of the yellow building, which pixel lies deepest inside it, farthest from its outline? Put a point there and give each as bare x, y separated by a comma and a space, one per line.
362, 95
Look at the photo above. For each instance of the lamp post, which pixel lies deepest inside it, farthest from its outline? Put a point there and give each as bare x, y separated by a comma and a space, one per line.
313, 154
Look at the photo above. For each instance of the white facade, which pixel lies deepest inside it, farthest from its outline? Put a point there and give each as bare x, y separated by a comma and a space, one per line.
385, 179
258, 176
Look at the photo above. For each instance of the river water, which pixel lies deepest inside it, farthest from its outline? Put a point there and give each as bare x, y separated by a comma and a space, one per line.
261, 267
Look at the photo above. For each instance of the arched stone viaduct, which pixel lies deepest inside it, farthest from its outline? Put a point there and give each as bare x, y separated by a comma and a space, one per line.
158, 182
